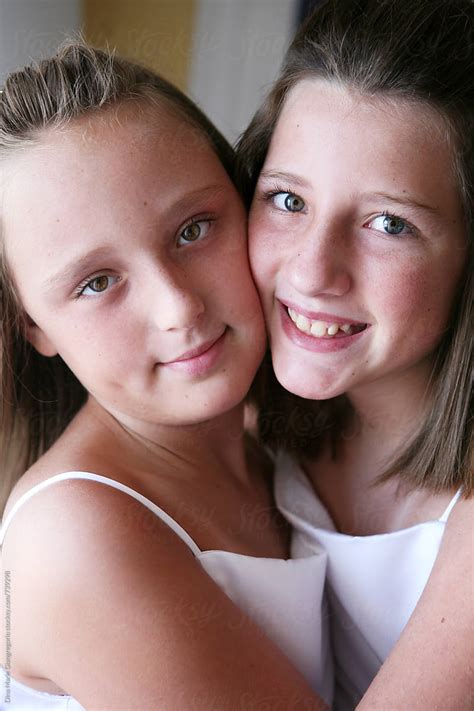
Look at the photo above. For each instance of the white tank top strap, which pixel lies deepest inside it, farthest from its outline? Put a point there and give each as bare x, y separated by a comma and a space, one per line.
450, 506
166, 518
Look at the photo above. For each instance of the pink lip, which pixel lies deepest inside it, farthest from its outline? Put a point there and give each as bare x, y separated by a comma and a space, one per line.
198, 360
329, 344
320, 315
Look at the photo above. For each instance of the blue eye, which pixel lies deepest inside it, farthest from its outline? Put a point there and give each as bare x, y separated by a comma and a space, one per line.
288, 202
96, 286
391, 225
194, 231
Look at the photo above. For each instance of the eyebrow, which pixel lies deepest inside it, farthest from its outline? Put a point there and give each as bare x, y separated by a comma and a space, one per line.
188, 199
76, 268
288, 177
399, 200
403, 201
80, 264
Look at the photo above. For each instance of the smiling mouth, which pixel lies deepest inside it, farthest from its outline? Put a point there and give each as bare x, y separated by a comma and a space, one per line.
196, 352
324, 329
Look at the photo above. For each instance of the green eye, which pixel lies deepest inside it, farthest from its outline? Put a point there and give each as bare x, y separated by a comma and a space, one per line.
99, 284
192, 232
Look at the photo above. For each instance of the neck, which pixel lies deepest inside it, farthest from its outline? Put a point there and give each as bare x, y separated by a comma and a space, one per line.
386, 416
392, 409
215, 445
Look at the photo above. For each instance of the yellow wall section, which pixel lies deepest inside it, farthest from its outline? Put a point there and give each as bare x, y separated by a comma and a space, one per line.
157, 33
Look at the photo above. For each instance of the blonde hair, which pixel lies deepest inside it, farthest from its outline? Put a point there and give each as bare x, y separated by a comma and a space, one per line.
39, 396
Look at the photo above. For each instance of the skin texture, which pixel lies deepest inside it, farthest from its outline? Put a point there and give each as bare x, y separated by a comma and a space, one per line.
163, 298
123, 616
334, 255
332, 156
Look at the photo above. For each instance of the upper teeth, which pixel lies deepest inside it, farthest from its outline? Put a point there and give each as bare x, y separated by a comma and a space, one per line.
317, 328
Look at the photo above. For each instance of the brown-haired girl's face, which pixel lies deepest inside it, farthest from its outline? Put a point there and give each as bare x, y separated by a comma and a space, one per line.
127, 243
357, 240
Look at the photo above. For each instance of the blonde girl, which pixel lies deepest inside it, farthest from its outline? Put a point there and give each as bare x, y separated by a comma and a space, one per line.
142, 540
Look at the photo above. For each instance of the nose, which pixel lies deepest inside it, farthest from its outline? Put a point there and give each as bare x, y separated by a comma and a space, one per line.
175, 302
320, 264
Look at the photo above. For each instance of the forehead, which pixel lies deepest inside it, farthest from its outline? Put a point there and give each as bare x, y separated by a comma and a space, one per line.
329, 129
124, 153
319, 110
146, 133
105, 180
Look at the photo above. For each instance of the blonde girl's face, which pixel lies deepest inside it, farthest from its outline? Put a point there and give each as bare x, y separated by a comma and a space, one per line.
127, 243
357, 241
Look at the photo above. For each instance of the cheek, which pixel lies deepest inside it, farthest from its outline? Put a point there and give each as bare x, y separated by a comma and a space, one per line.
97, 351
264, 259
415, 302
403, 293
233, 284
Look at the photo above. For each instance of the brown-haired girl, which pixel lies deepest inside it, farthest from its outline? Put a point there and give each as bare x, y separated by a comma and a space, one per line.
131, 331
361, 164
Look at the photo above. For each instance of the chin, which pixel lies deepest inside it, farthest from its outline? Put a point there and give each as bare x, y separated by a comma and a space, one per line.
217, 402
310, 386
308, 392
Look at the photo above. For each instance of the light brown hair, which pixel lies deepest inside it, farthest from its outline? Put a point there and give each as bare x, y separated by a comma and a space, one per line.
420, 51
39, 396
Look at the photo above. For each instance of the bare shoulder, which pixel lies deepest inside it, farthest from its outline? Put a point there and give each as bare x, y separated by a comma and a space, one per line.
449, 588
75, 529
77, 450
454, 566
114, 609
431, 664
453, 573
81, 516
461, 517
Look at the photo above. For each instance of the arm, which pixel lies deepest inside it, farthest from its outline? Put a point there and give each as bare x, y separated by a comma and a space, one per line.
431, 666
123, 616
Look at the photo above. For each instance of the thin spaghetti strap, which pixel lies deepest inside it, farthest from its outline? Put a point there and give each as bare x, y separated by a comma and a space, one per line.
185, 537
450, 506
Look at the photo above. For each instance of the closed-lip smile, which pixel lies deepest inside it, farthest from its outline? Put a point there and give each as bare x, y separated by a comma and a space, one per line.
195, 352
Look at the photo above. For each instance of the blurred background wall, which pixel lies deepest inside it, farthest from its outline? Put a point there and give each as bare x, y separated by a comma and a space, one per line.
32, 28
158, 33
224, 53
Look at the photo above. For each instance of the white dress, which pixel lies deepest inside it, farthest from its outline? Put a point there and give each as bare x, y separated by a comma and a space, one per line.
374, 582
284, 597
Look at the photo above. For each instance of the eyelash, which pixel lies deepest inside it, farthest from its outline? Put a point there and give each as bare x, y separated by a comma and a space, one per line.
196, 221
79, 291
279, 189
413, 231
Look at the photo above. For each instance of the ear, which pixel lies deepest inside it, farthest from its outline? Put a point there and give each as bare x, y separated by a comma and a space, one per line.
38, 339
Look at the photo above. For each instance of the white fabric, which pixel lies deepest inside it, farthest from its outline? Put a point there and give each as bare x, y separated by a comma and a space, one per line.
284, 597
374, 582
